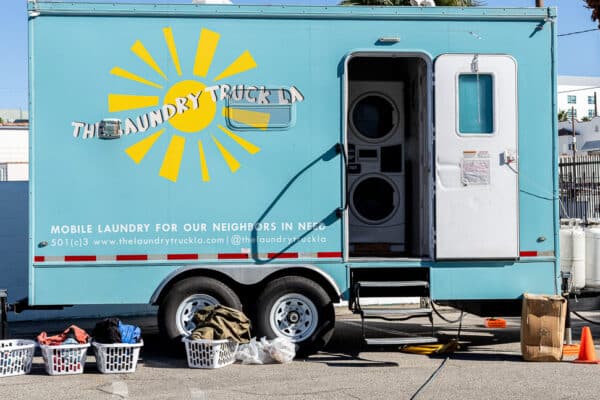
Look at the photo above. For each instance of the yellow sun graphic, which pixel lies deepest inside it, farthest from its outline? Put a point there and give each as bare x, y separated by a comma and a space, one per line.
194, 119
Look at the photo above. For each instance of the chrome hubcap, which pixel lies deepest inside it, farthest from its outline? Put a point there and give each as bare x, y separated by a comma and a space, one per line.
294, 316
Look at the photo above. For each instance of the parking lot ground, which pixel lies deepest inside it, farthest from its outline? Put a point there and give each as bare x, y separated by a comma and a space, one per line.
489, 366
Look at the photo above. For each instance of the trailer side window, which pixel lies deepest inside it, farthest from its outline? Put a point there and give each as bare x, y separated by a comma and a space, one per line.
259, 108
476, 104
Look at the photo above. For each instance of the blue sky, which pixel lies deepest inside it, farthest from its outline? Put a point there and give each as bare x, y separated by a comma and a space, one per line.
577, 54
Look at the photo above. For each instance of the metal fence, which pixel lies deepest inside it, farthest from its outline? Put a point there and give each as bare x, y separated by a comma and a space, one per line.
579, 183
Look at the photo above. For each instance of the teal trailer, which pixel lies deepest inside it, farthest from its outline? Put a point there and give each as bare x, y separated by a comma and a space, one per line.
283, 159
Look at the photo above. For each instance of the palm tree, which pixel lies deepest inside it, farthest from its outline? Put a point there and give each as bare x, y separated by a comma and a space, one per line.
442, 3
594, 5
562, 116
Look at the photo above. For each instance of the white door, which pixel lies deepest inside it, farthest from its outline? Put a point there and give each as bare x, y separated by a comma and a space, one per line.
476, 161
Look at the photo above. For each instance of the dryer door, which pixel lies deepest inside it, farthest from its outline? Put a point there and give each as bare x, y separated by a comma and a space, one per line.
476, 157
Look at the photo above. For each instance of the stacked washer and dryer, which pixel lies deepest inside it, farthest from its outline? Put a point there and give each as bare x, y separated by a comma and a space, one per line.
376, 173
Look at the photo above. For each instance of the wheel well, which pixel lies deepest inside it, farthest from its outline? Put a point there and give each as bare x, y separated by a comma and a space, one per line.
208, 273
247, 291
303, 272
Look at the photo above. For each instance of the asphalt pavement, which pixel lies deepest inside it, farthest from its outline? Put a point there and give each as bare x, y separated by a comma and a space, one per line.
488, 366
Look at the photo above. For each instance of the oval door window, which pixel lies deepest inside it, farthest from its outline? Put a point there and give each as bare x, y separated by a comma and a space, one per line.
373, 199
373, 116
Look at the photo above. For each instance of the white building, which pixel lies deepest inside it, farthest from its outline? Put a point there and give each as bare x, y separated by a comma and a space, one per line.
588, 137
14, 152
579, 92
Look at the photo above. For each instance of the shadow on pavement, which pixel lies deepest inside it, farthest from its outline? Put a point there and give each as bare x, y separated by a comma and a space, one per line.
346, 348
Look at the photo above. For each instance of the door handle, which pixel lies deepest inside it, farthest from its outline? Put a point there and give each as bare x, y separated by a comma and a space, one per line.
340, 149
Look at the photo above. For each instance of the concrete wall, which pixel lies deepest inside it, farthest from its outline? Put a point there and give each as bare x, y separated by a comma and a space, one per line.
14, 262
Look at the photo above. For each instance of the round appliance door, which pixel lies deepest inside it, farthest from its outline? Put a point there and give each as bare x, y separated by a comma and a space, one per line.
373, 117
374, 199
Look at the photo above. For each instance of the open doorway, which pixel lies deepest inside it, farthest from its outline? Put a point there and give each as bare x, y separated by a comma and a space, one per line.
389, 155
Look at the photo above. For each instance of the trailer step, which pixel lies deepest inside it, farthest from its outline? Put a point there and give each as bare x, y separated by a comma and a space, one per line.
392, 284
400, 340
372, 312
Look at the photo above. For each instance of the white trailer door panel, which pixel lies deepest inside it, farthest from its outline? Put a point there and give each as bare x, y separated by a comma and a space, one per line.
476, 157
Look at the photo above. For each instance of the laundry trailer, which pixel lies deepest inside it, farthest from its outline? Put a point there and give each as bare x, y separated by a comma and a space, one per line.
281, 159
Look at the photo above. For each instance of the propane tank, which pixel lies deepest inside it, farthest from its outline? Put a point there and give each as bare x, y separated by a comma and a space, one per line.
592, 257
573, 254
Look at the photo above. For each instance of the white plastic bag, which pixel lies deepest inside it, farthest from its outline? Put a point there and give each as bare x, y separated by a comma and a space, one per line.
252, 353
281, 350
265, 351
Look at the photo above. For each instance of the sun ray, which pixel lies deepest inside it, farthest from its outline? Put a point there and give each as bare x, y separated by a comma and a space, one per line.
139, 50
128, 75
138, 151
203, 166
172, 161
122, 102
243, 63
255, 119
232, 163
172, 48
246, 145
207, 44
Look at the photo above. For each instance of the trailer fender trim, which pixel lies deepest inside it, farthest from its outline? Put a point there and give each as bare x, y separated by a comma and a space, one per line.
243, 274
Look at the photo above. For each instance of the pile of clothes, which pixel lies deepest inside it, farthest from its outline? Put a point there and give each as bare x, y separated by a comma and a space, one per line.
107, 331
72, 335
112, 330
220, 322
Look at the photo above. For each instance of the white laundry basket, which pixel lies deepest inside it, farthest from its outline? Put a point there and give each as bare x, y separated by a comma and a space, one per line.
64, 359
16, 356
210, 353
117, 358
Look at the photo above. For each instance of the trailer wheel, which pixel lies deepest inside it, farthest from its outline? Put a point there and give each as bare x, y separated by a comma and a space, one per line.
298, 309
188, 296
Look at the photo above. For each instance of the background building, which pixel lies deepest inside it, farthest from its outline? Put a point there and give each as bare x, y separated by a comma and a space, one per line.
579, 92
14, 115
588, 137
14, 152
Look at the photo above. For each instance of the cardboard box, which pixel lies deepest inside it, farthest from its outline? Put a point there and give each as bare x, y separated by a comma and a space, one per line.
542, 327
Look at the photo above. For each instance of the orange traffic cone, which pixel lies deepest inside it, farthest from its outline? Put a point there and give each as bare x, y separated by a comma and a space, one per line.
587, 352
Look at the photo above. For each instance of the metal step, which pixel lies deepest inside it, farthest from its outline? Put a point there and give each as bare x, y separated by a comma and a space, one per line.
400, 340
368, 312
392, 284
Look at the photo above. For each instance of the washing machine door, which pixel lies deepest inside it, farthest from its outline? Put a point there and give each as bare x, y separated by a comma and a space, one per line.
374, 200
374, 117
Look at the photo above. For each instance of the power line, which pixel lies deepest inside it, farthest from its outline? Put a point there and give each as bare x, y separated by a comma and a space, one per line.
577, 90
578, 32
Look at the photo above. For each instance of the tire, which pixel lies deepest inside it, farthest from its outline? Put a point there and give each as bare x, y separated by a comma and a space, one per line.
298, 309
185, 298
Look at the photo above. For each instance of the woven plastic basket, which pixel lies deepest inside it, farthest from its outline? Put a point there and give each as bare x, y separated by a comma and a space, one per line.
65, 359
16, 356
117, 358
210, 353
